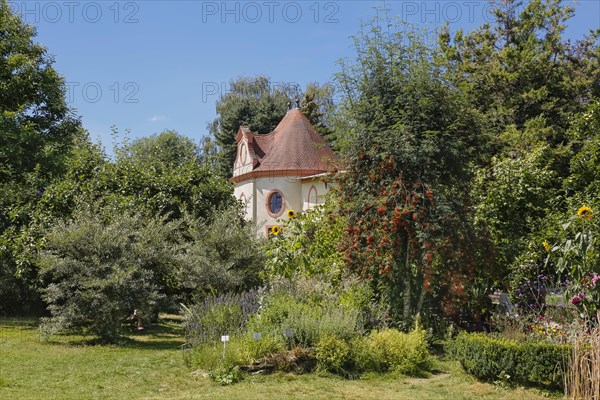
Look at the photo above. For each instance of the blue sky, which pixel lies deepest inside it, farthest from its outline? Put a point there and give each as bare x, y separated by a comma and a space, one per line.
153, 65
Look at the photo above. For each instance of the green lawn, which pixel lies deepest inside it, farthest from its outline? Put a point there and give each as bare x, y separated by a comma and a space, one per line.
150, 366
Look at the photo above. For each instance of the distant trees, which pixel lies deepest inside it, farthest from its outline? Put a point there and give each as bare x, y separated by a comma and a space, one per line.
319, 108
168, 148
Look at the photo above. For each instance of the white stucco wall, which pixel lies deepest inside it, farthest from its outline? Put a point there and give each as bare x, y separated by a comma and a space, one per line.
319, 187
290, 188
295, 195
245, 191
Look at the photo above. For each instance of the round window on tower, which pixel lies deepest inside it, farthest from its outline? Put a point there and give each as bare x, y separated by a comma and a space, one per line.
275, 203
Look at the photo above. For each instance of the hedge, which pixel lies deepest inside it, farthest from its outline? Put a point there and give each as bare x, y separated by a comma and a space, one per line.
527, 363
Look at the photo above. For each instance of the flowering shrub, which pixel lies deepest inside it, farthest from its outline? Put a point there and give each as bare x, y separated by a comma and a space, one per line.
417, 247
302, 323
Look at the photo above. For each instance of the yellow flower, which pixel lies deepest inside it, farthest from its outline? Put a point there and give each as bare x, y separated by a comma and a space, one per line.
275, 230
585, 212
546, 245
291, 213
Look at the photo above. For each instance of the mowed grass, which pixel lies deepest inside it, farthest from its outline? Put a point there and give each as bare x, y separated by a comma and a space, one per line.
150, 365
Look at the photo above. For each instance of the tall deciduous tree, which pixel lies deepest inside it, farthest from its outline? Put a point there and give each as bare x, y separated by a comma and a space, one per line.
37, 131
168, 148
37, 125
160, 175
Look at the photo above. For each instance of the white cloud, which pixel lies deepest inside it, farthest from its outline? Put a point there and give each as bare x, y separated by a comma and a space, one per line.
157, 118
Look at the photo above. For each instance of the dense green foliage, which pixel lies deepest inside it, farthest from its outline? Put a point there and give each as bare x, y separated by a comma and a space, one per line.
37, 131
391, 350
470, 165
496, 359
520, 67
308, 244
160, 177
99, 237
463, 155
529, 83
96, 272
37, 125
405, 196
305, 308
300, 321
388, 350
100, 266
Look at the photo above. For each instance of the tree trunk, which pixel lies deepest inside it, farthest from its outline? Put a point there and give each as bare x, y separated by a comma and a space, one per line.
407, 286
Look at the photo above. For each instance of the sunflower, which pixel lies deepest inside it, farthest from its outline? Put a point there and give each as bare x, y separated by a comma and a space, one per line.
275, 230
546, 245
585, 212
290, 213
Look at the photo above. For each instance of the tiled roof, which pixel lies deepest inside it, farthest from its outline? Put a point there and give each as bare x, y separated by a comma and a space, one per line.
294, 145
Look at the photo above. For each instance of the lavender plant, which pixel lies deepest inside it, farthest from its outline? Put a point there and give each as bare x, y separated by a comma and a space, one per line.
218, 315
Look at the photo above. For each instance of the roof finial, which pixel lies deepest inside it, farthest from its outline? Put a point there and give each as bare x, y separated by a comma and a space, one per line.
297, 102
289, 105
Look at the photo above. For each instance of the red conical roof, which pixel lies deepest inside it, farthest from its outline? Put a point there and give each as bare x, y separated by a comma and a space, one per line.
293, 147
